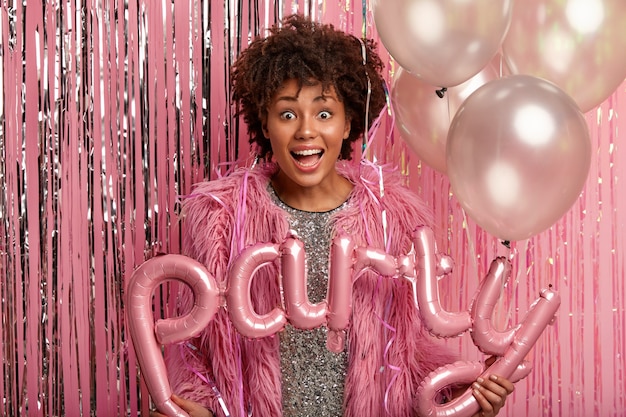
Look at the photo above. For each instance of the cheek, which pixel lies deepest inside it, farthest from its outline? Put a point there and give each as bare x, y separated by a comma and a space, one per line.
278, 142
335, 134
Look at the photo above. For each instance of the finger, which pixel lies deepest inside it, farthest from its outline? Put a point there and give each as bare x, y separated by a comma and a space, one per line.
485, 405
186, 404
493, 386
495, 399
493, 393
180, 401
503, 382
191, 407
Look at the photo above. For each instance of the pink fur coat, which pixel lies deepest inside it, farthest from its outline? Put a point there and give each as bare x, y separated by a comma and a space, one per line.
224, 216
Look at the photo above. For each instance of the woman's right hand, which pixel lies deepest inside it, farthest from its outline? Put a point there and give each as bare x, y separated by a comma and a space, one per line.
190, 407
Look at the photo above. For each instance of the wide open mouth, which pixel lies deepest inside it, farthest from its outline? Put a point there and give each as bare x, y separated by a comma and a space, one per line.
308, 157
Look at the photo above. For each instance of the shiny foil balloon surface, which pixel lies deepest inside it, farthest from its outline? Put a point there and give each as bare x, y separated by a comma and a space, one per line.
110, 110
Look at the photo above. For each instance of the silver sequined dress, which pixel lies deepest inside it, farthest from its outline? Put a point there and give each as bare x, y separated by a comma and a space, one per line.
312, 376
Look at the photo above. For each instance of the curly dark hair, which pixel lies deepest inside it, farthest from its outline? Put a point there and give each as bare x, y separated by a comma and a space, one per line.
311, 53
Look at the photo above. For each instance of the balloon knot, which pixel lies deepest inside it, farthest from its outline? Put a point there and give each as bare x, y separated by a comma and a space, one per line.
442, 92
507, 243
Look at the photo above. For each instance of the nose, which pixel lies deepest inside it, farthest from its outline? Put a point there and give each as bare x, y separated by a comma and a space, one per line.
307, 129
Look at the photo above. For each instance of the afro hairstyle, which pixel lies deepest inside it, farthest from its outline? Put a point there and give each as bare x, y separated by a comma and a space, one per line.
310, 53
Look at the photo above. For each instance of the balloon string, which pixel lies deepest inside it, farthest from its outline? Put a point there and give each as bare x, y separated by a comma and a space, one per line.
371, 134
230, 167
396, 370
368, 236
239, 224
378, 199
381, 190
237, 246
388, 108
217, 199
240, 372
364, 18
204, 378
241, 213
369, 92
387, 167
470, 244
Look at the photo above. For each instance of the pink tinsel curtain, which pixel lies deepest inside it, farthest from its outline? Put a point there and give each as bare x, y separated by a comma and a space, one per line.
111, 109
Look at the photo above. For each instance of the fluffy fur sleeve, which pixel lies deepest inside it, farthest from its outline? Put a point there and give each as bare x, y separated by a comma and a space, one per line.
208, 216
221, 218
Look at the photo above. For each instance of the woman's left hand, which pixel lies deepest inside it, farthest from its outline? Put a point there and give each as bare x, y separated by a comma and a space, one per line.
491, 394
190, 407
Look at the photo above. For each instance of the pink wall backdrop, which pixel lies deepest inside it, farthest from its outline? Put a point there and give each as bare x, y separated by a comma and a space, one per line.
110, 109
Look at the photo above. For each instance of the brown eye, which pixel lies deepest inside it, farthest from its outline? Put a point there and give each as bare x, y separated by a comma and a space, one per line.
325, 114
287, 115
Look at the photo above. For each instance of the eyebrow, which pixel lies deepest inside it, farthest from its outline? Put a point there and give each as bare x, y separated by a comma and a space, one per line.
295, 98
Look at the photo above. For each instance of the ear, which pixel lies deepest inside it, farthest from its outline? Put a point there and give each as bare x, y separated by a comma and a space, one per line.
346, 128
266, 133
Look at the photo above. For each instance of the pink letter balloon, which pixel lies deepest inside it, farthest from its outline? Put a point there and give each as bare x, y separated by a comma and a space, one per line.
147, 336
423, 117
518, 154
438, 321
577, 44
485, 336
512, 345
510, 365
443, 42
240, 310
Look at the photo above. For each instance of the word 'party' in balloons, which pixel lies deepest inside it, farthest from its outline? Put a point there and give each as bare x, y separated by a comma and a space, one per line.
421, 267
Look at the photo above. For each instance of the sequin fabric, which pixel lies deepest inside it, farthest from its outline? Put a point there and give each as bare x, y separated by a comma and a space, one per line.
312, 376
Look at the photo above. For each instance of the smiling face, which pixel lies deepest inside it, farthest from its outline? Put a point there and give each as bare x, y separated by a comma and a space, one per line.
306, 128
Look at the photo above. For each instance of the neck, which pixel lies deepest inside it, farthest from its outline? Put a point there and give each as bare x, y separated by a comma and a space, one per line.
320, 198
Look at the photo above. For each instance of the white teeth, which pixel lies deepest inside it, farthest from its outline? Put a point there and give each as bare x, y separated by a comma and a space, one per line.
308, 152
